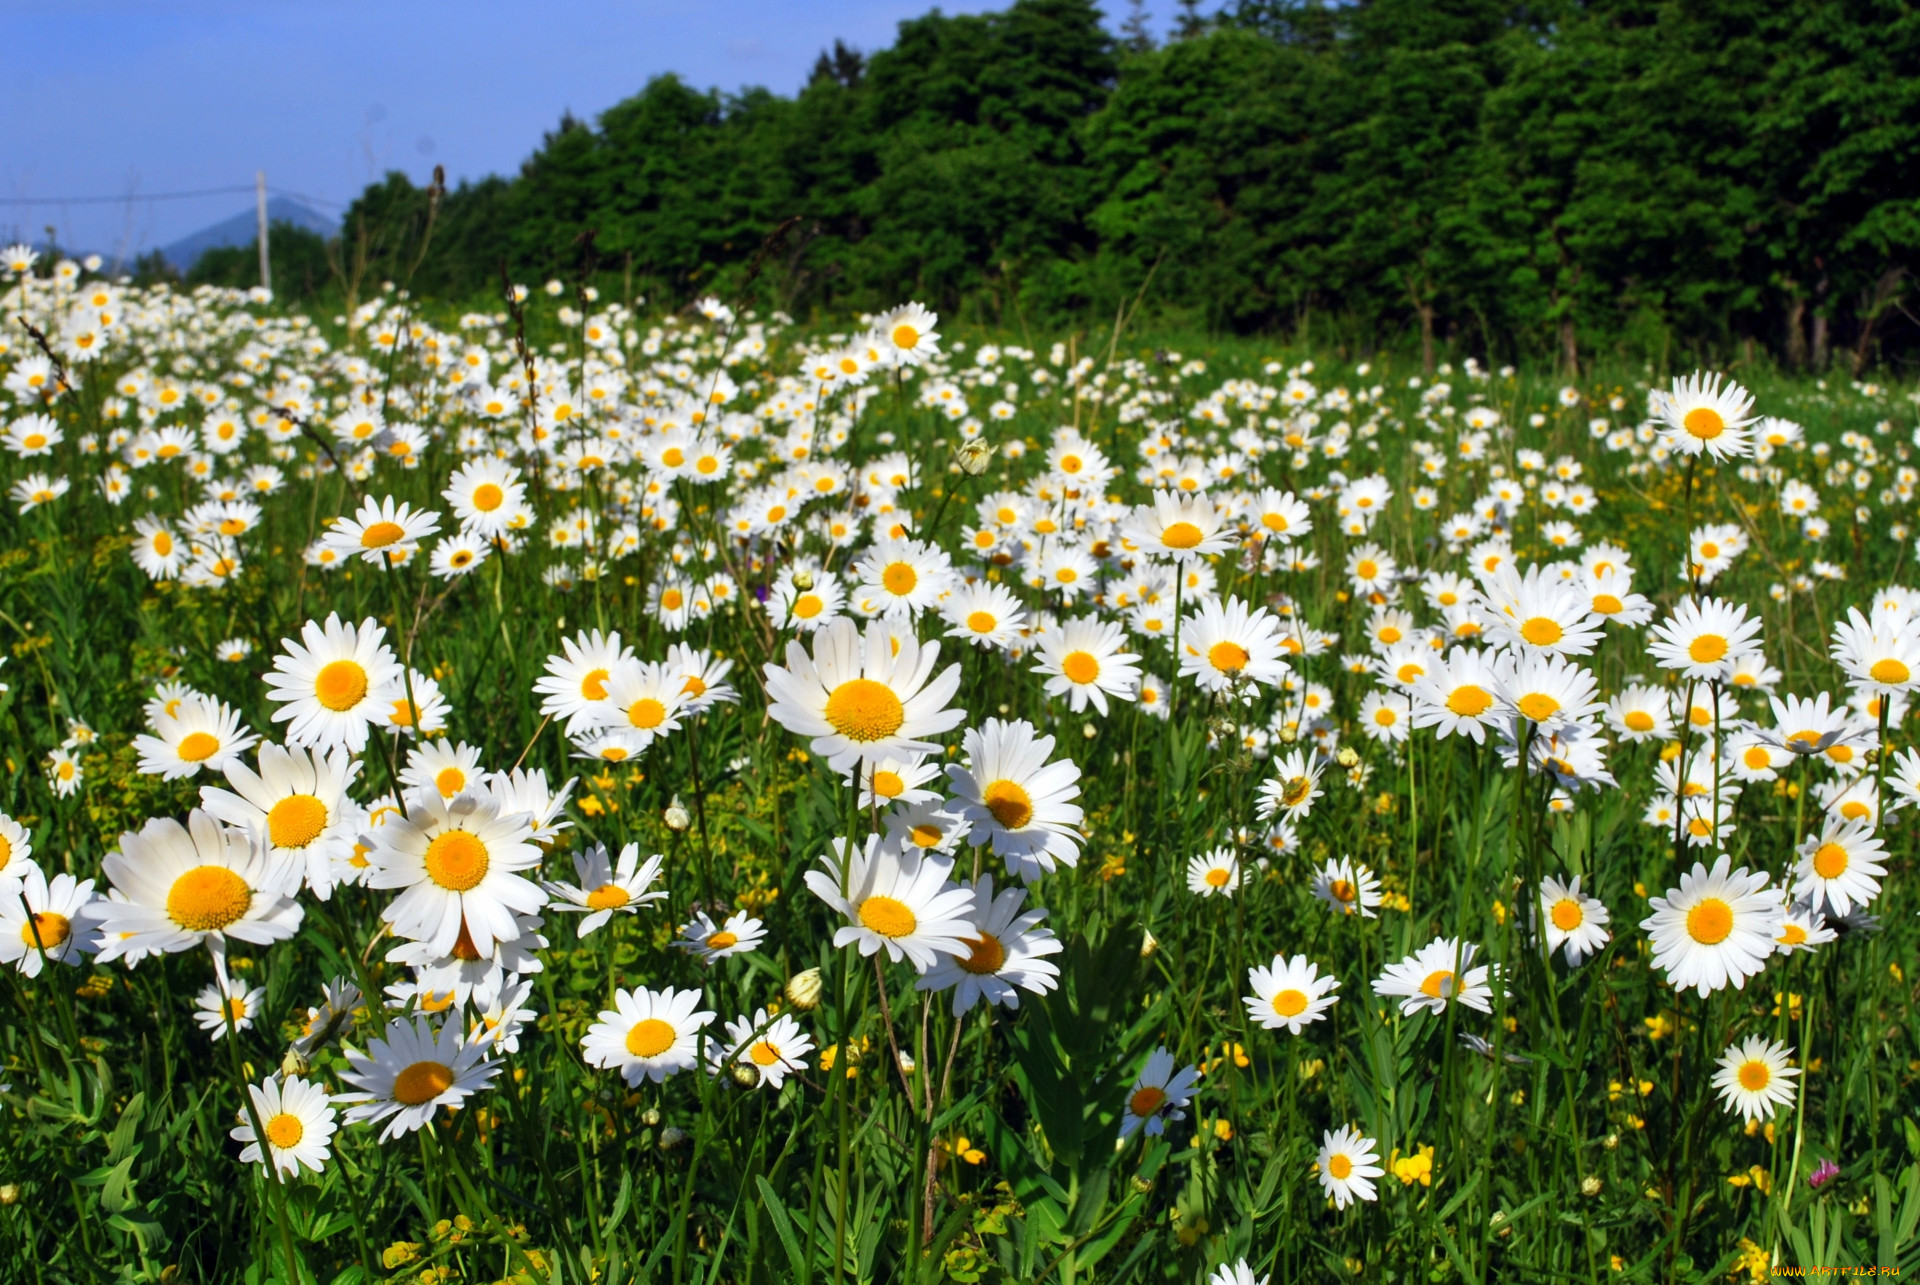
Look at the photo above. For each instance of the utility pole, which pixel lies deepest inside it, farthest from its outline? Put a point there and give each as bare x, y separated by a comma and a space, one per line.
260, 208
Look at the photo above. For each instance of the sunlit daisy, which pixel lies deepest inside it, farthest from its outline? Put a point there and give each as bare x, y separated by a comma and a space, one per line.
1085, 661
860, 698
1223, 643
203, 733
1701, 637
298, 1119
1717, 927
329, 689
457, 861
647, 1034
1840, 867
1006, 952
1016, 800
1348, 1163
217, 1003
1290, 993
380, 528
1347, 887
193, 884
894, 900
1439, 972
1215, 872
1704, 417
741, 934
1158, 1095
1755, 1078
607, 889
1575, 923
768, 1047
46, 921
411, 1072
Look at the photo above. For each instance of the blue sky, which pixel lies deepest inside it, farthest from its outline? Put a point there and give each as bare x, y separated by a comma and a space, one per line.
107, 97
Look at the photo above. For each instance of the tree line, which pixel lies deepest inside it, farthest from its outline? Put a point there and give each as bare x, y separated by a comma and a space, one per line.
1674, 179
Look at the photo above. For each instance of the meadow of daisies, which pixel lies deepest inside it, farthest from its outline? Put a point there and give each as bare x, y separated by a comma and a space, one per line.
573, 793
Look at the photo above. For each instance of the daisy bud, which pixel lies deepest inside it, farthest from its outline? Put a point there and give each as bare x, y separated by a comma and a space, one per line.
973, 457
1148, 943
671, 1137
803, 580
294, 1063
907, 1064
803, 990
9, 1193
745, 1076
650, 1117
1348, 756
677, 818
1590, 1186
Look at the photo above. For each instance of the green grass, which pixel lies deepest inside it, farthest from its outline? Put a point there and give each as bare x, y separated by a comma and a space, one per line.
1598, 1153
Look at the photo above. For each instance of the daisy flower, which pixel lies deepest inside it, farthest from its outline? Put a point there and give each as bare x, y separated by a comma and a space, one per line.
298, 1119
1016, 800
1223, 643
807, 608
1179, 528
457, 555
1539, 612
16, 856
1701, 637
1006, 952
1641, 713
903, 577
985, 614
46, 920
644, 699
574, 686
703, 678
1348, 1165
185, 886
484, 494
895, 901
1840, 867
1438, 972
1548, 691
1717, 927
910, 333
1802, 928
330, 689
1290, 792
338, 1000
443, 769
606, 889
297, 802
1084, 661
1882, 654
861, 699
405, 1077
1754, 1077
380, 527
1574, 921
213, 1005
1460, 695
741, 934
457, 861
65, 772
647, 1035
1213, 872
1289, 993
203, 734
1347, 887
1235, 1274
889, 781
1704, 417
768, 1047
1158, 1095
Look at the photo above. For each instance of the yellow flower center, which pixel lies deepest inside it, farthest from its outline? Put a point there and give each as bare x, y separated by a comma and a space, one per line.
296, 821
1290, 1003
207, 898
487, 497
1710, 922
381, 534
608, 896
1228, 657
1537, 706
861, 709
285, 1130
1830, 861
1889, 671
1704, 422
1608, 605
1295, 791
162, 543
651, 1037
1342, 890
809, 605
1181, 535
1469, 701
1009, 802
456, 860
1794, 935
1638, 720
723, 941
1438, 984
1340, 1167
888, 785
927, 836
1755, 1075
1219, 877
421, 1083
888, 917
905, 336
1366, 569
198, 747
985, 954
1080, 667
899, 578
594, 685
1757, 757
672, 600
1707, 649
52, 930
1146, 1100
340, 685
1542, 631
1567, 914
646, 713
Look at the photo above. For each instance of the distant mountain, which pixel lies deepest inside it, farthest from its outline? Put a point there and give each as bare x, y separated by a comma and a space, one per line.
243, 229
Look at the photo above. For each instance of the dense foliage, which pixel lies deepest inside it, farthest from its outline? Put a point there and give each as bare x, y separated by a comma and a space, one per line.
1505, 177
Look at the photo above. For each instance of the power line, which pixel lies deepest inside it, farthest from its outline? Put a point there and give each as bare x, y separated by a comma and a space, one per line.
162, 196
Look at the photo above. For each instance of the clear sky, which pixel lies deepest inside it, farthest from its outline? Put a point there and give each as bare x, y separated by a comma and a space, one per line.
111, 97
